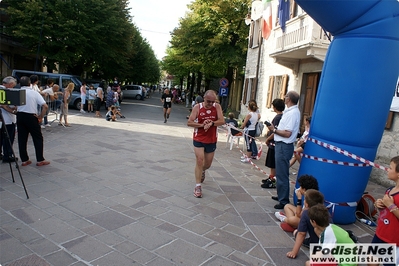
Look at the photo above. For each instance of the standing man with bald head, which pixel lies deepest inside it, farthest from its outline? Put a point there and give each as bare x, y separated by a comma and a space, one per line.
205, 118
284, 137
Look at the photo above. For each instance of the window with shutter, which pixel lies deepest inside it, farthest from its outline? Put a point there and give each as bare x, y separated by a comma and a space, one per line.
277, 88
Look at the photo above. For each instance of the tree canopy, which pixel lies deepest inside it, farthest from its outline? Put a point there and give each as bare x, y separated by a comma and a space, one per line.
211, 39
92, 36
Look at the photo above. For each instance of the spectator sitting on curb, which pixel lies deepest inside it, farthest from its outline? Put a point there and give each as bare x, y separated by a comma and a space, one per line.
292, 214
111, 114
312, 198
330, 234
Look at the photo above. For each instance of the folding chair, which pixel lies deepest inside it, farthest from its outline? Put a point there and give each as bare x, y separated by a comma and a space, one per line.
231, 139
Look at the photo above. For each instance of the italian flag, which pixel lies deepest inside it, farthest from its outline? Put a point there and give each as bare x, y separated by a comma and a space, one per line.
267, 19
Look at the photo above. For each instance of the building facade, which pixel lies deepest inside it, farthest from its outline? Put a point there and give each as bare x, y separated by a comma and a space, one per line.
293, 60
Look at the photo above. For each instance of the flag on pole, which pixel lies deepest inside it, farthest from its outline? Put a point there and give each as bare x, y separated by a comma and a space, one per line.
266, 23
283, 12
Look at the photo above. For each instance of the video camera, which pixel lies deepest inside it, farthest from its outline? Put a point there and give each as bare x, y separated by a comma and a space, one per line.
12, 96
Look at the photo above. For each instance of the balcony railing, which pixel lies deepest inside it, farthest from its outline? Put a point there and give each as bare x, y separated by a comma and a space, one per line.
300, 31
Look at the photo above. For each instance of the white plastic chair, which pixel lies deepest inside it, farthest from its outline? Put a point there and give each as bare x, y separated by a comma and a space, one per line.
231, 138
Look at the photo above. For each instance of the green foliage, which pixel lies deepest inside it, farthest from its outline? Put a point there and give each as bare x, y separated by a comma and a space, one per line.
211, 38
96, 36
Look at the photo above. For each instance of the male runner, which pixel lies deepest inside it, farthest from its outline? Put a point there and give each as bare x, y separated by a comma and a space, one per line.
166, 99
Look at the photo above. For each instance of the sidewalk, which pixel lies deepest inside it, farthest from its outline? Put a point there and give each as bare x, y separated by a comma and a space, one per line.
121, 193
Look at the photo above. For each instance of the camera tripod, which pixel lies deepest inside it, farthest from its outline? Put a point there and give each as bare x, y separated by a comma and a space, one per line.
4, 131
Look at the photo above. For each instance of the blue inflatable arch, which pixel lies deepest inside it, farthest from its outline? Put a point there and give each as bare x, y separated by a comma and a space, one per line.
355, 93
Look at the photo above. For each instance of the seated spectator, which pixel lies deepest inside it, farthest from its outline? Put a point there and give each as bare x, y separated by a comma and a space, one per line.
111, 114
300, 146
232, 122
312, 198
330, 234
292, 214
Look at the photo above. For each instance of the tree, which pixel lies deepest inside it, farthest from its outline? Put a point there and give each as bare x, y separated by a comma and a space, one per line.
92, 36
213, 37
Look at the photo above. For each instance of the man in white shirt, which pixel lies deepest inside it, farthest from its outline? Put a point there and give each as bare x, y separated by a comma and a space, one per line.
8, 131
28, 122
284, 137
51, 96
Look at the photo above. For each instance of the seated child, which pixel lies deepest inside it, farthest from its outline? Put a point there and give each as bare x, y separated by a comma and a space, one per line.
292, 214
312, 198
111, 114
231, 121
330, 234
388, 220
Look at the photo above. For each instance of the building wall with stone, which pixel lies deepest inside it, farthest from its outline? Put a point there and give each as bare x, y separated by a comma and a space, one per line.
388, 148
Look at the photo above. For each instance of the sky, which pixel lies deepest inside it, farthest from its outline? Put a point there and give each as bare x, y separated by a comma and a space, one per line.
156, 19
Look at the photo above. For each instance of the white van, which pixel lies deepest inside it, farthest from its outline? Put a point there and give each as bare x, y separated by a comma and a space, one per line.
61, 80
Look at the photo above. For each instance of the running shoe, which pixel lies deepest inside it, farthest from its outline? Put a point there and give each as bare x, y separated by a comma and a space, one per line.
198, 192
280, 216
245, 160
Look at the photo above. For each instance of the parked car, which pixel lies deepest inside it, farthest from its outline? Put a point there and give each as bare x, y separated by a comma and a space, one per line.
137, 92
60, 79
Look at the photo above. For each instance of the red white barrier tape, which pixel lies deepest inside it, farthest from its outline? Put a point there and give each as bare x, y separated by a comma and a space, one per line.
346, 153
245, 155
331, 161
331, 205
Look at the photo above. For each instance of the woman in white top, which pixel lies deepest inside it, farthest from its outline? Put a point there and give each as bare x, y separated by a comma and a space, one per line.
249, 131
83, 93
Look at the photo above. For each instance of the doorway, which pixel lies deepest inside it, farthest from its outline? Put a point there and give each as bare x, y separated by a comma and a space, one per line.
307, 100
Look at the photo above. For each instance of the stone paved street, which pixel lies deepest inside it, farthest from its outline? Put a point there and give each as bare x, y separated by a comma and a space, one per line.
121, 193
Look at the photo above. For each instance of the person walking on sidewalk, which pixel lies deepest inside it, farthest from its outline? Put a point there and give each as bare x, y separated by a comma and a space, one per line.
28, 122
205, 118
284, 137
167, 99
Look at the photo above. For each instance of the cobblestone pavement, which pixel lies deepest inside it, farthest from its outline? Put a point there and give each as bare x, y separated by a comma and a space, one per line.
121, 193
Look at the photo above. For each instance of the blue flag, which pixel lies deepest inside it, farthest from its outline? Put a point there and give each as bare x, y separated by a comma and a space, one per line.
283, 12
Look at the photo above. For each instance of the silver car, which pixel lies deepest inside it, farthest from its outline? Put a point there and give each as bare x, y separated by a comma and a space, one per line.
137, 92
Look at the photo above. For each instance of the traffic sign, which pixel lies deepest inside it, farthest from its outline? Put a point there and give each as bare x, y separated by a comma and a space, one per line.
223, 82
223, 92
